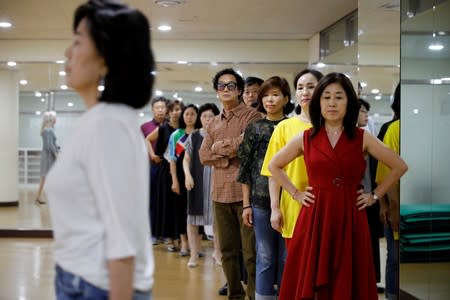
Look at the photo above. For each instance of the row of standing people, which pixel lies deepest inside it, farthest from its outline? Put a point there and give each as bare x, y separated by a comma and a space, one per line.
336, 109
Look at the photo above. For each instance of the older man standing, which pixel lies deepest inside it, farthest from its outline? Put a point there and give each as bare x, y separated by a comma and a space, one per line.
219, 149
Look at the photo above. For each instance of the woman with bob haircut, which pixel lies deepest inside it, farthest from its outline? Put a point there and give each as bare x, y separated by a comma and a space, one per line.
330, 255
98, 188
274, 100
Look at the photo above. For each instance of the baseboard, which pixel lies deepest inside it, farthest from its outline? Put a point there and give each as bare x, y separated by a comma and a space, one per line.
406, 296
26, 233
9, 204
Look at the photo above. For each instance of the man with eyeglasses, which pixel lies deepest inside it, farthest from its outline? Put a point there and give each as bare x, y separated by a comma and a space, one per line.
219, 149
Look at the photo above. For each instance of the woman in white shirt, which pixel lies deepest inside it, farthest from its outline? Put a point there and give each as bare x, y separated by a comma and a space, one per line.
98, 188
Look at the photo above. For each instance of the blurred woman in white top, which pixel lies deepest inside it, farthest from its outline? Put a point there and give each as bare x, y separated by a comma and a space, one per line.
98, 189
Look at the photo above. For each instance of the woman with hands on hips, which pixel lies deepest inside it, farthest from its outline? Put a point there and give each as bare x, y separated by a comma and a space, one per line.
330, 254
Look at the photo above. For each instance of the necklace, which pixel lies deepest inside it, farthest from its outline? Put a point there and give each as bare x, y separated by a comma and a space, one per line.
335, 131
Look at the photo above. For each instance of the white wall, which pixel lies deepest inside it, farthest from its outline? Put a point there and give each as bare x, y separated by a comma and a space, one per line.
425, 143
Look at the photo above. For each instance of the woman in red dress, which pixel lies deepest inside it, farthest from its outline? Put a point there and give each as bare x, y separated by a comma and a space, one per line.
330, 256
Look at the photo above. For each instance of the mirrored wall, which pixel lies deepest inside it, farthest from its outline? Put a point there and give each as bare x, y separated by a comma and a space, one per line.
425, 127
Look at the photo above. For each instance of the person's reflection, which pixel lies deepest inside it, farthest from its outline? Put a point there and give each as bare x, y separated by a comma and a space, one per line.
390, 204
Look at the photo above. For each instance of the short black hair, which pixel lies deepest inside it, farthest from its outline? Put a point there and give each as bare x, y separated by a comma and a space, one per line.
172, 103
318, 75
352, 111
208, 106
364, 103
182, 124
396, 103
229, 71
122, 37
275, 82
251, 80
159, 99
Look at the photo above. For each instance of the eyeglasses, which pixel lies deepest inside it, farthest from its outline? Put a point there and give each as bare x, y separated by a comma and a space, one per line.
230, 85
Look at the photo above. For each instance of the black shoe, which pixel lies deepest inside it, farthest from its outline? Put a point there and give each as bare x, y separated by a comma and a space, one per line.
380, 289
223, 291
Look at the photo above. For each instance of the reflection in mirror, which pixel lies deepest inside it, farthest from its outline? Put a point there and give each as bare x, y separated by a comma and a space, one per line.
425, 112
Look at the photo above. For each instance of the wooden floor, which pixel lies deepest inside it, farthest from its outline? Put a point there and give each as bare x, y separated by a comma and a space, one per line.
26, 265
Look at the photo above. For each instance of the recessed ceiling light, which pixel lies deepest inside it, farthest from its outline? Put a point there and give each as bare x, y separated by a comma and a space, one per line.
23, 82
363, 84
164, 27
62, 73
59, 61
38, 113
158, 93
378, 97
415, 111
38, 94
11, 63
214, 64
168, 3
442, 33
42, 99
321, 65
63, 87
435, 47
70, 104
182, 62
436, 81
198, 89
375, 91
5, 24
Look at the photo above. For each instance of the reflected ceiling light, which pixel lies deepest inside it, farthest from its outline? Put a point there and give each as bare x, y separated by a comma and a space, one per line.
169, 3
159, 93
198, 89
415, 111
378, 97
59, 61
63, 87
42, 99
5, 24
214, 64
11, 63
435, 47
38, 94
321, 65
363, 84
164, 27
182, 62
62, 73
375, 91
23, 82
180, 98
436, 81
442, 33
141, 114
70, 104
38, 113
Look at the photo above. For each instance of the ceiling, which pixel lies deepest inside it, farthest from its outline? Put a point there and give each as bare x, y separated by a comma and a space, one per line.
258, 37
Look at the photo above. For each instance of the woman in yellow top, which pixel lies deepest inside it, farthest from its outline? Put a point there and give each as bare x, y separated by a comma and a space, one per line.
285, 210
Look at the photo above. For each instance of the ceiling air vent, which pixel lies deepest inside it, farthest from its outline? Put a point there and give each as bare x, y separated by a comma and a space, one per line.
169, 3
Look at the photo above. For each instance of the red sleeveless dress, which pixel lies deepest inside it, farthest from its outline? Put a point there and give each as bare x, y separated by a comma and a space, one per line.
330, 253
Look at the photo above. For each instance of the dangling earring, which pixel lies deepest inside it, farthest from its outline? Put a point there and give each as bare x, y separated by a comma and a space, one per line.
101, 85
